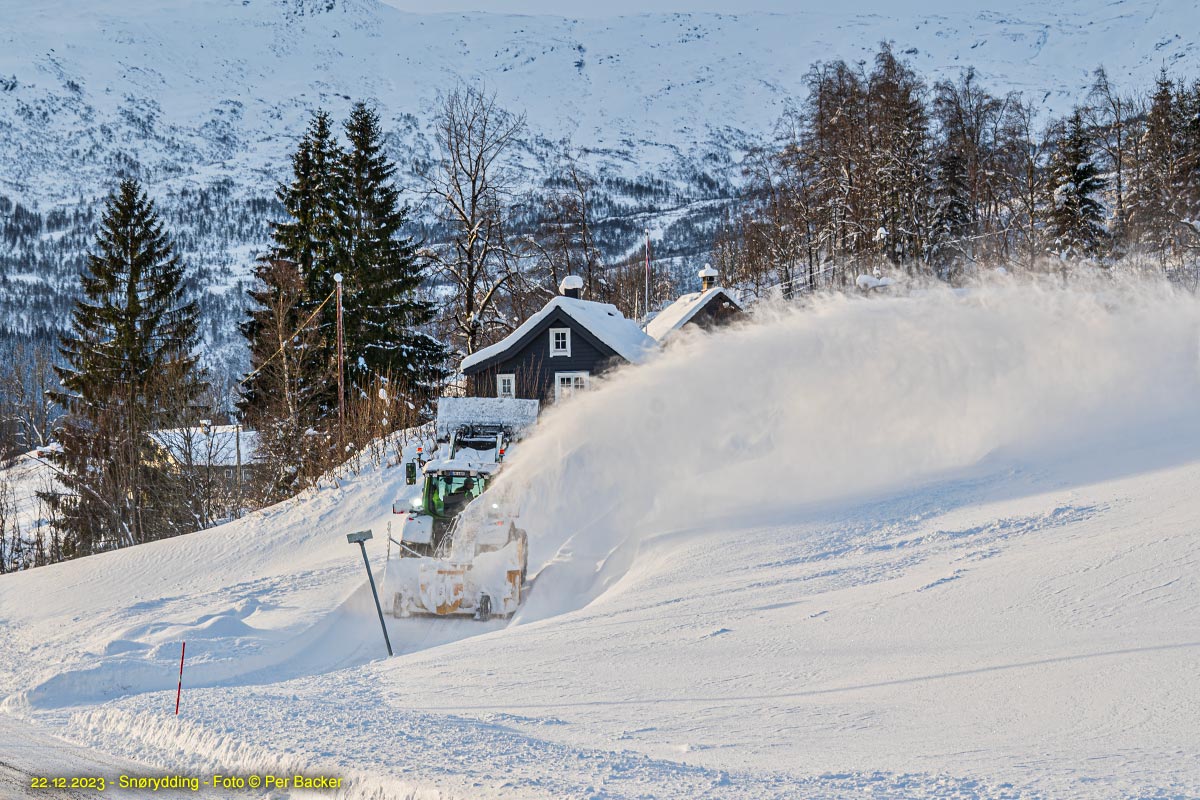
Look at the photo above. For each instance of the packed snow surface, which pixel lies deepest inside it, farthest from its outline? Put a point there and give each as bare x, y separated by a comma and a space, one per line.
935, 545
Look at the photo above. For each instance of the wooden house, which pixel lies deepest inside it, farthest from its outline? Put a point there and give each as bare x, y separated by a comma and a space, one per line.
713, 305
557, 351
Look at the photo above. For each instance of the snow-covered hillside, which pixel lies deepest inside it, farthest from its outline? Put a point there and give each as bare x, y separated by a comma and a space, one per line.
940, 545
204, 99
198, 90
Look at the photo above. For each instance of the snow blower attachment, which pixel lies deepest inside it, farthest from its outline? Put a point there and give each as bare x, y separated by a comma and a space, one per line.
478, 570
458, 554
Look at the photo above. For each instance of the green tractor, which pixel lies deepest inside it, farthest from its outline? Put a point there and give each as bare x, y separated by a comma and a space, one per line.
474, 435
448, 562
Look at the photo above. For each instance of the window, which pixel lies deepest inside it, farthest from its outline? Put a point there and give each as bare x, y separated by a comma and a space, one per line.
567, 383
560, 342
506, 385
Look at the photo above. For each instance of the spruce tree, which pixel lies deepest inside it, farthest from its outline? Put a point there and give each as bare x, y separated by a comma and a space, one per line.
292, 387
952, 223
1076, 217
1166, 193
128, 368
305, 239
382, 313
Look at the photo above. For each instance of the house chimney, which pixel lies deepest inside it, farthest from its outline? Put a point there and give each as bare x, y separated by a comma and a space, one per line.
708, 278
571, 286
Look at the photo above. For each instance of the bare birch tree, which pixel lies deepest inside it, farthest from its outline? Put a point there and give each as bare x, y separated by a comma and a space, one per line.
473, 188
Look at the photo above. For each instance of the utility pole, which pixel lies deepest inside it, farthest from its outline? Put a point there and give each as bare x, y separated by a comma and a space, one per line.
237, 442
341, 368
647, 311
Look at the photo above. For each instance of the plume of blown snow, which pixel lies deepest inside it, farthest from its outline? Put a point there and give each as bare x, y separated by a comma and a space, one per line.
846, 397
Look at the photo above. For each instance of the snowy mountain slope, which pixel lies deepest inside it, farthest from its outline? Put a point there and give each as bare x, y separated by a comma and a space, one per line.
926, 546
198, 90
204, 99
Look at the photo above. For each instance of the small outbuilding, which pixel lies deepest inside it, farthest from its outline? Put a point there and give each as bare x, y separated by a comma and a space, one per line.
557, 351
708, 308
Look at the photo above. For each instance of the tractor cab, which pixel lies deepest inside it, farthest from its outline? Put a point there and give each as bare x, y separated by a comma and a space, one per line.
449, 486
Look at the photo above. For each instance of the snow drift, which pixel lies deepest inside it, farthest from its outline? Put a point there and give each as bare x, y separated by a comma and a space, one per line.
769, 420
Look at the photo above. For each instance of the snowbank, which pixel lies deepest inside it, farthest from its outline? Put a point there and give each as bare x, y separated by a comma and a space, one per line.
454, 412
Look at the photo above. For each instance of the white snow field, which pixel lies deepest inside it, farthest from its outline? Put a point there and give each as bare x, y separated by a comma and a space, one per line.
935, 545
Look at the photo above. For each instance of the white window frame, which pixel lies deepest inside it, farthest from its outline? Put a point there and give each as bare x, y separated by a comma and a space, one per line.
555, 352
511, 377
558, 387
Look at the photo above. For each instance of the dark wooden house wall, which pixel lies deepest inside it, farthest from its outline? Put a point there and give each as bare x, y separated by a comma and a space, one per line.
533, 366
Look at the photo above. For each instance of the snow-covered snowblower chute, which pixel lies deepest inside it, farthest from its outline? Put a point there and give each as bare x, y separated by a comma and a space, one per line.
458, 552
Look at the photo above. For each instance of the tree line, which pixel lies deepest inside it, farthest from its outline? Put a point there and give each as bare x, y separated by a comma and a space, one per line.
878, 170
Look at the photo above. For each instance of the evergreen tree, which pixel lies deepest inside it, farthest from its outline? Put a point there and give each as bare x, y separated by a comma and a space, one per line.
1076, 217
382, 313
1166, 194
344, 216
292, 387
952, 223
128, 368
305, 239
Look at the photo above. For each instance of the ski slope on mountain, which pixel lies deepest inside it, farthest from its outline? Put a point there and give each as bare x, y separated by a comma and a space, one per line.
936, 545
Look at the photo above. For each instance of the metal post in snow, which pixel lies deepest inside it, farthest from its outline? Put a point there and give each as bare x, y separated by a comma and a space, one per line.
179, 688
359, 538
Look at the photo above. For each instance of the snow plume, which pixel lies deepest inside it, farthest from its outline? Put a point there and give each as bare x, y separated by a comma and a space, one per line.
847, 397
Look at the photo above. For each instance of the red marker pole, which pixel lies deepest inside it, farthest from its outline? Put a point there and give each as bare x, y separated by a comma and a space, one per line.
179, 690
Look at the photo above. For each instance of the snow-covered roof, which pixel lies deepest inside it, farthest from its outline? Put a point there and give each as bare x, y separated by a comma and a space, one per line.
216, 446
869, 282
461, 465
454, 412
679, 313
602, 320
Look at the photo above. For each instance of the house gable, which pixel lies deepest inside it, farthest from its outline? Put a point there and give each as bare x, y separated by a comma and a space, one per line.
530, 365
534, 346
705, 309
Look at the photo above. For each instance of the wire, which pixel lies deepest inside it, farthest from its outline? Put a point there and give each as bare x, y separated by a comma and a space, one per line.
303, 325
